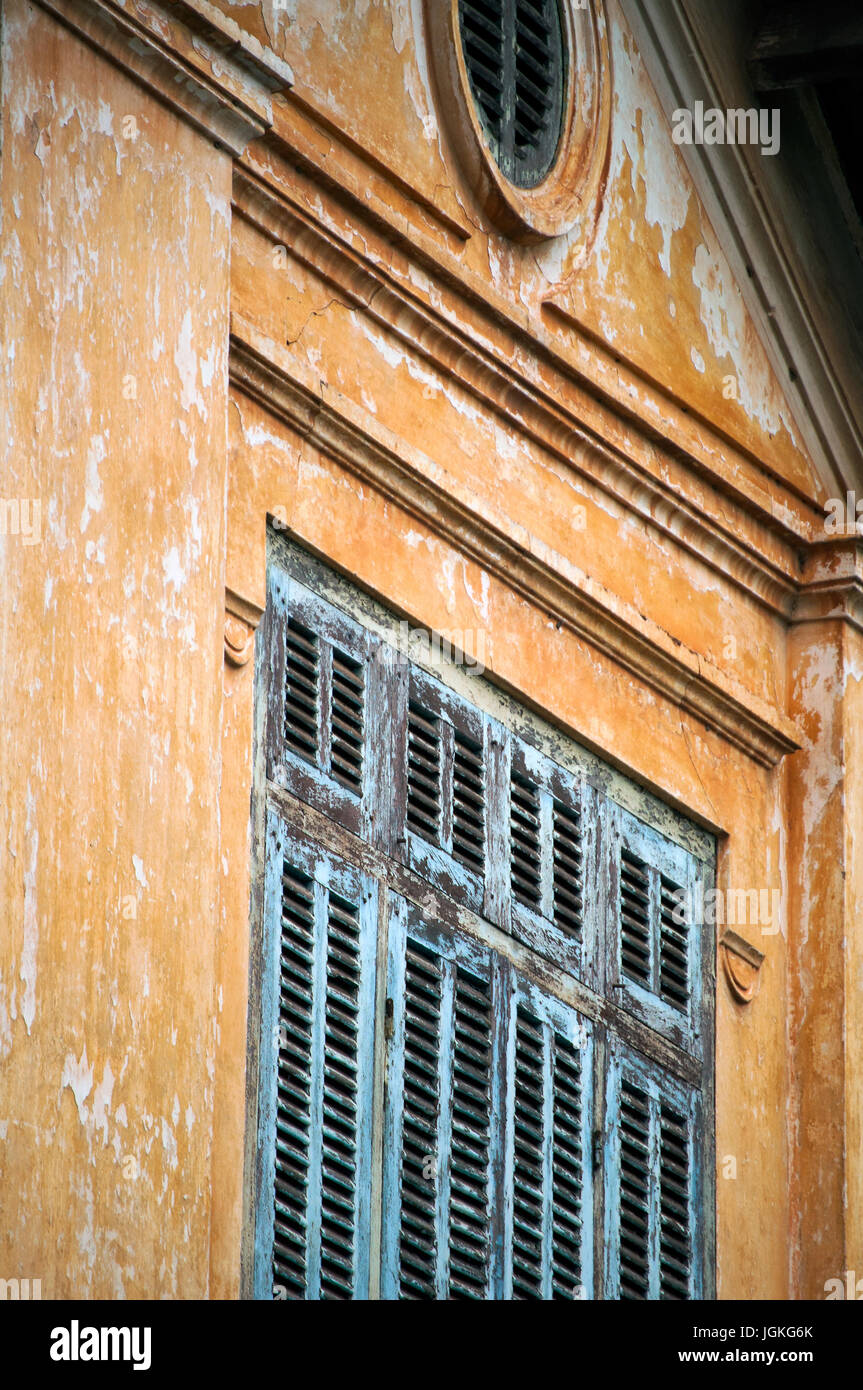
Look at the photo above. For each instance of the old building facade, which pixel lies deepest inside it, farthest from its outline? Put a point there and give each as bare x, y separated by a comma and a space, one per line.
432, 692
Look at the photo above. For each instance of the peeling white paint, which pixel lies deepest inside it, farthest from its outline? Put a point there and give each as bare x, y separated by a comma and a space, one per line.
78, 1075
93, 497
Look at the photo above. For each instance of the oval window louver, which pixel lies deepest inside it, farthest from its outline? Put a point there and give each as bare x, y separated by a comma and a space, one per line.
515, 56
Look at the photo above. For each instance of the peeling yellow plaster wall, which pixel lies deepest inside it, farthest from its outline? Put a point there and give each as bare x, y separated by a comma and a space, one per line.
655, 286
113, 369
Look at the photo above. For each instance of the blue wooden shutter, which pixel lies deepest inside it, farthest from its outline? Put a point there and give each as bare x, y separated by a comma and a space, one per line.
654, 941
488, 1187
448, 753
317, 1053
551, 1106
318, 743
552, 860
654, 1245
441, 1115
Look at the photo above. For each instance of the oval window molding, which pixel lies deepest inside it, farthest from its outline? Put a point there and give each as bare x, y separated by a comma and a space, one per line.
524, 93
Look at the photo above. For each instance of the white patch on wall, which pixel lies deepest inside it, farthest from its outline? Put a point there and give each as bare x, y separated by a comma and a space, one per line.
723, 313
186, 362
172, 569
93, 498
653, 156
27, 968
78, 1076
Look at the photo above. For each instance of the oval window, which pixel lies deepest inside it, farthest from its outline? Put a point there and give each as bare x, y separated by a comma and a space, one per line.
516, 62
524, 94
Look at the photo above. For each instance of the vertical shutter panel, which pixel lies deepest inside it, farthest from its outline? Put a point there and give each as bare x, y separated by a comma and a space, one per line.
437, 1216
554, 892
470, 1143
552, 1198
347, 719
673, 948
317, 1042
340, 1109
529, 1165
675, 1178
634, 1191
654, 956
468, 816
635, 924
447, 795
653, 1212
421, 1102
424, 773
295, 1067
570, 1189
568, 870
318, 717
302, 689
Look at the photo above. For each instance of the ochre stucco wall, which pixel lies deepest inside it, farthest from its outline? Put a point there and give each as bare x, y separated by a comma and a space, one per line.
572, 482
115, 266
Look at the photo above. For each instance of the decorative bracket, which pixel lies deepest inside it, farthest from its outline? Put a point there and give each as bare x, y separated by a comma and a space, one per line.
241, 622
741, 963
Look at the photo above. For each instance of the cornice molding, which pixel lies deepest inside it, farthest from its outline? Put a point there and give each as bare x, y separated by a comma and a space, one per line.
604, 382
730, 540
193, 57
743, 205
270, 375
832, 584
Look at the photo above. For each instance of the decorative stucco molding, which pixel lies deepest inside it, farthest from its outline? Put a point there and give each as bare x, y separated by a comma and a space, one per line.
196, 59
241, 621
273, 376
741, 963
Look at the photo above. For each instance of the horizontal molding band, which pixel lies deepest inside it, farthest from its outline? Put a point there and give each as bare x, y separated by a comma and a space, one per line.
631, 478
270, 375
193, 57
608, 381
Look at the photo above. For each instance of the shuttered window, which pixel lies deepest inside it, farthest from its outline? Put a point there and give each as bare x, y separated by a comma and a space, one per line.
483, 1000
515, 57
320, 927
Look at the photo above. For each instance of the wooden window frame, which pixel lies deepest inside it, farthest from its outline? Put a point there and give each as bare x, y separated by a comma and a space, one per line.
374, 848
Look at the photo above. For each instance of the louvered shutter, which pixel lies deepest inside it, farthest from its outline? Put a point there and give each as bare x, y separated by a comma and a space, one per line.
442, 1113
552, 860
317, 1052
654, 1243
551, 1106
654, 951
514, 53
487, 1182
318, 744
448, 751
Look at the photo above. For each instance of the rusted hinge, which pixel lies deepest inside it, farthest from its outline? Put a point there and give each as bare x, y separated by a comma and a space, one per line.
596, 1148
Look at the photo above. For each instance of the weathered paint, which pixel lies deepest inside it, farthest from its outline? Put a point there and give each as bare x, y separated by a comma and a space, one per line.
430, 406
